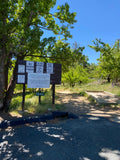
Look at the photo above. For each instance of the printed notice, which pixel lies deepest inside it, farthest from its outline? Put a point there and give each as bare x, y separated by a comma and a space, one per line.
38, 80
39, 67
29, 66
49, 68
21, 68
21, 79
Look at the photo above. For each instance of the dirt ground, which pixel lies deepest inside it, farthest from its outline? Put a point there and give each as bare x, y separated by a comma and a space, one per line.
80, 105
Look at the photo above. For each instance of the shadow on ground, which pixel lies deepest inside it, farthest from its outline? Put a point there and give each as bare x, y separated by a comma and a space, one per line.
80, 105
86, 138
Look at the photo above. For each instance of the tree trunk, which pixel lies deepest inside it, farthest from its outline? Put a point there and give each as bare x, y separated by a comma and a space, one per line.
11, 86
2, 80
3, 52
108, 79
3, 55
10, 90
6, 77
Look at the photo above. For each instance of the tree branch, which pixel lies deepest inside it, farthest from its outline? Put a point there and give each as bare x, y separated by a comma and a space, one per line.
44, 28
30, 19
64, 59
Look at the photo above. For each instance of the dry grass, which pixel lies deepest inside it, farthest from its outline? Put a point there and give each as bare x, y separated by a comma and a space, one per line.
93, 86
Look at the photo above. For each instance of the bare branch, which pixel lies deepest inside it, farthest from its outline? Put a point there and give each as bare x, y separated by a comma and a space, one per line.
44, 28
63, 59
30, 19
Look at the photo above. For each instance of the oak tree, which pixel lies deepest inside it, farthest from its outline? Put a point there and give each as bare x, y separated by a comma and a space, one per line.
22, 25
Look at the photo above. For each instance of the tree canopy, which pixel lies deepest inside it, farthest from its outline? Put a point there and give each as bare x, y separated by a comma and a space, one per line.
22, 25
109, 61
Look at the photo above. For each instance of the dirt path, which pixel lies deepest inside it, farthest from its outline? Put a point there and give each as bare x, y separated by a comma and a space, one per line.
81, 105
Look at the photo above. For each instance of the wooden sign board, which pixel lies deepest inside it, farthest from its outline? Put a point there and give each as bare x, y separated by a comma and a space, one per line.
30, 69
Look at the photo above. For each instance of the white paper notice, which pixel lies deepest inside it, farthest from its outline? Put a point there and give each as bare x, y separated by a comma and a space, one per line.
29, 63
38, 80
29, 66
21, 68
39, 67
21, 79
49, 68
29, 70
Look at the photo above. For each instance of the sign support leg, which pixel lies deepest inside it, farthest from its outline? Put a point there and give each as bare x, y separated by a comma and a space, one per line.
53, 94
23, 99
39, 96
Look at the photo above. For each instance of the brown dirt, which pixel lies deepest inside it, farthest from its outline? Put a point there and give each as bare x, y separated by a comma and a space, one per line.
80, 105
76, 104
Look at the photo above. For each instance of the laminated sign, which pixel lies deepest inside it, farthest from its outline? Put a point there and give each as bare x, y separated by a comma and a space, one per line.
21, 79
36, 80
21, 68
50, 68
30, 66
39, 67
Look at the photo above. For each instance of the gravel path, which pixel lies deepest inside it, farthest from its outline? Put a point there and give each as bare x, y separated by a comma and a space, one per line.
103, 97
80, 105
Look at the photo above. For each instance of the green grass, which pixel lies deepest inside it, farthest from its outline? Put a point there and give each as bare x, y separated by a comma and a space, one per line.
92, 86
32, 103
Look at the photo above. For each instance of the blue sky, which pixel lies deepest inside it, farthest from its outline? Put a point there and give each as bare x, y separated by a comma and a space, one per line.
95, 19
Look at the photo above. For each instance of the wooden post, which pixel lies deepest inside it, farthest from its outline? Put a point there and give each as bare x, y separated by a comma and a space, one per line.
23, 99
53, 94
39, 96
